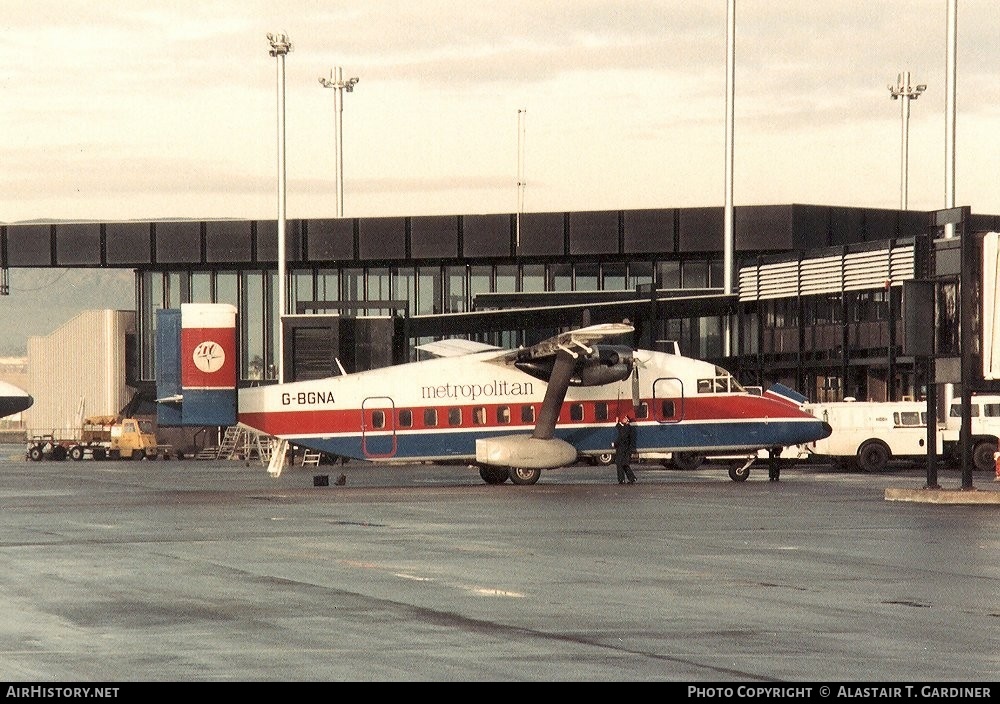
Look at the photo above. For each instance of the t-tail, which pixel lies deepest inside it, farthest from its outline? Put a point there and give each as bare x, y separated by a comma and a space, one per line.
196, 365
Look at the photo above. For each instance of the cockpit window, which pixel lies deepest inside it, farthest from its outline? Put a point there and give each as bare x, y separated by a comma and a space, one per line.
723, 382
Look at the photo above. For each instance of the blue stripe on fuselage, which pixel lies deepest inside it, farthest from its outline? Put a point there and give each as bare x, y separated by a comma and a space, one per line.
455, 444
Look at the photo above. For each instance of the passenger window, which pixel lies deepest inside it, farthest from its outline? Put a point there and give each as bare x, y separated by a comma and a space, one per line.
430, 417
600, 411
378, 419
454, 416
478, 416
503, 415
642, 411
668, 410
405, 418
527, 414
576, 412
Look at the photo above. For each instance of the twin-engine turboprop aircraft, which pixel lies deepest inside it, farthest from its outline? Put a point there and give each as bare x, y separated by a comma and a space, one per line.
511, 413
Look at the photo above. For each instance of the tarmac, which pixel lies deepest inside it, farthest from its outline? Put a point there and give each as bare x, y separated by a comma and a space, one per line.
214, 571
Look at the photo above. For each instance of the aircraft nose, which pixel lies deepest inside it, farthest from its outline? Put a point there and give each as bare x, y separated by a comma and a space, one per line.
827, 429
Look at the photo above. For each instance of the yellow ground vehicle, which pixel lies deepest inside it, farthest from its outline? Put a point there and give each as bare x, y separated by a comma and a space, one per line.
102, 437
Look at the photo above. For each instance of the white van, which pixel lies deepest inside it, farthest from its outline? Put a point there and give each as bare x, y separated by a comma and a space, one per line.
869, 434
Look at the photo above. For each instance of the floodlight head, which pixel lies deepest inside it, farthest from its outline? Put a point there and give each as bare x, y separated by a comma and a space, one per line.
280, 44
922, 87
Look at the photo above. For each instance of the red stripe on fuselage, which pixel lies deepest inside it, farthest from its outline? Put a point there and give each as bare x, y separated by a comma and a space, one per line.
708, 407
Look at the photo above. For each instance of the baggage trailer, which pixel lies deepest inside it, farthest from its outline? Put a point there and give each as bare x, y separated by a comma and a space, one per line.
100, 438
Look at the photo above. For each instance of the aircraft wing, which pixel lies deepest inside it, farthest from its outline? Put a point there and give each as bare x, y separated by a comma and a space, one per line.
574, 342
561, 361
455, 347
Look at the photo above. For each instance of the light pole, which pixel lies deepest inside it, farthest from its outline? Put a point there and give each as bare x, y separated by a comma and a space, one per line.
337, 82
521, 114
280, 46
903, 90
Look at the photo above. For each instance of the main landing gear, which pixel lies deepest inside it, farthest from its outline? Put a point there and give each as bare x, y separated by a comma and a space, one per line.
517, 475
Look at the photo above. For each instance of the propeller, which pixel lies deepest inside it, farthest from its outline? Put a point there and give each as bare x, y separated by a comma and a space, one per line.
635, 384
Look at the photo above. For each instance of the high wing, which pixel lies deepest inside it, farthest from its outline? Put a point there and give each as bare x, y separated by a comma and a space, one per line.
570, 358
455, 347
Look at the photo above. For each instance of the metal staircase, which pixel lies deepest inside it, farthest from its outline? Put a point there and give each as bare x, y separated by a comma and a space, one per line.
230, 443
242, 443
311, 458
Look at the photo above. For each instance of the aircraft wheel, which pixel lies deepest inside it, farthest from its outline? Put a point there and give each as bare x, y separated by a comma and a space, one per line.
604, 459
982, 456
524, 475
688, 461
738, 472
36, 453
494, 475
873, 457
99, 454
76, 453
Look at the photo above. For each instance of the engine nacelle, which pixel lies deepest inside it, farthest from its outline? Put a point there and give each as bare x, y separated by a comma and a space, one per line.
598, 375
605, 365
525, 451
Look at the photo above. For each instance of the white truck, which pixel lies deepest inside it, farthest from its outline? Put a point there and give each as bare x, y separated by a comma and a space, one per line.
985, 415
868, 434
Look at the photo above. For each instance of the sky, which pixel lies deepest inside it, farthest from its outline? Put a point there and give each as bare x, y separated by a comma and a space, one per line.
152, 109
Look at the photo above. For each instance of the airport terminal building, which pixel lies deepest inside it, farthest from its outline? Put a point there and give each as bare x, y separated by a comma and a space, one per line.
816, 302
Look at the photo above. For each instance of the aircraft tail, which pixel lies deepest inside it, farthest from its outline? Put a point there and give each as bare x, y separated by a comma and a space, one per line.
782, 393
196, 365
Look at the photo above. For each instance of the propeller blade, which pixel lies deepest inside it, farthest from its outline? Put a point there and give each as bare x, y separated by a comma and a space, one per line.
635, 387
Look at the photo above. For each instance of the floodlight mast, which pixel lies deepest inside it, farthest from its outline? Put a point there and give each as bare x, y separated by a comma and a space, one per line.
903, 90
280, 46
337, 82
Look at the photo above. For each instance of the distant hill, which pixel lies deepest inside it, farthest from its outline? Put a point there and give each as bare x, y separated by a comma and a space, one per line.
41, 300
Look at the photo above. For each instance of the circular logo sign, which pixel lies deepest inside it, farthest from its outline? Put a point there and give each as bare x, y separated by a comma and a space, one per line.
209, 356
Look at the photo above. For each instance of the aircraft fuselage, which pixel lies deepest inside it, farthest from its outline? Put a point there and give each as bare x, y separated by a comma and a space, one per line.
436, 410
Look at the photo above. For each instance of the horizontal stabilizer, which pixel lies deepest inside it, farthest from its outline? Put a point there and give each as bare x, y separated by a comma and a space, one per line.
782, 393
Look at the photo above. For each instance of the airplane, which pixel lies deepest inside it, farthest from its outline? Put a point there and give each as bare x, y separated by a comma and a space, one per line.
13, 399
509, 412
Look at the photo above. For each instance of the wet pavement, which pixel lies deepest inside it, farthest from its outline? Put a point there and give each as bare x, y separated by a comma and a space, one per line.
215, 571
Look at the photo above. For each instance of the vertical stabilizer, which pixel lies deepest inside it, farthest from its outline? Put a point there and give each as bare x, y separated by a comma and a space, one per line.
196, 365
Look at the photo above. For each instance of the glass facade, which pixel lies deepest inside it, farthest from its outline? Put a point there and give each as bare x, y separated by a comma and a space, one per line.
430, 289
